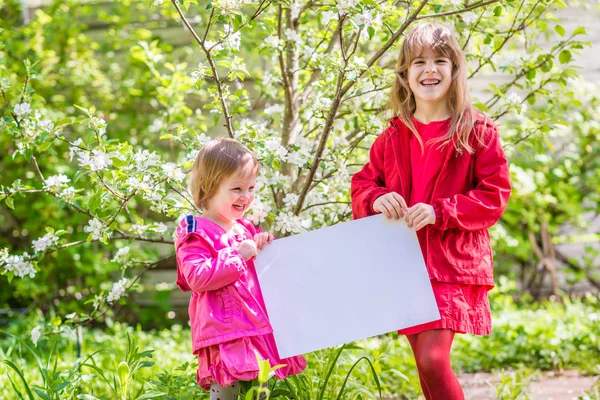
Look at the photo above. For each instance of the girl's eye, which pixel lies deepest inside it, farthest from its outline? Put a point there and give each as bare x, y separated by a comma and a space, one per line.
252, 188
418, 62
236, 189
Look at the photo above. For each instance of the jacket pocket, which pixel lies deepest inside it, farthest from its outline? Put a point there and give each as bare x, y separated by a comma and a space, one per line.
463, 249
224, 302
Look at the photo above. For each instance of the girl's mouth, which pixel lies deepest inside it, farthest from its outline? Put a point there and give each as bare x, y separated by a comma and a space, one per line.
430, 82
239, 207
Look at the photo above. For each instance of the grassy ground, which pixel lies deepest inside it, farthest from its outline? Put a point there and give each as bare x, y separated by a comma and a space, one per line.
124, 361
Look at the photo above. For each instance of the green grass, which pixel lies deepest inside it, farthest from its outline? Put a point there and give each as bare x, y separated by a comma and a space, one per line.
122, 362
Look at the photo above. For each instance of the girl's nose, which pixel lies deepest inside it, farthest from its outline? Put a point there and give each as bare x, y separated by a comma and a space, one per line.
431, 67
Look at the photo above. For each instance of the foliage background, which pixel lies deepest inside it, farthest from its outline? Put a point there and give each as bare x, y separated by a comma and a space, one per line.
121, 96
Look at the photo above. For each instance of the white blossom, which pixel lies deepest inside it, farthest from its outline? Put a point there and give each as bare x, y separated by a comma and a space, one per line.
156, 126
19, 265
98, 300
290, 199
273, 42
68, 194
117, 291
75, 149
69, 332
298, 158
98, 124
213, 46
230, 6
70, 316
524, 180
367, 19
158, 228
46, 125
145, 159
97, 162
289, 222
274, 109
345, 6
273, 146
259, 211
469, 17
36, 334
96, 227
514, 101
157, 3
121, 255
457, 2
232, 39
22, 109
327, 16
293, 36
41, 244
55, 182
139, 229
295, 9
173, 172
142, 182
202, 139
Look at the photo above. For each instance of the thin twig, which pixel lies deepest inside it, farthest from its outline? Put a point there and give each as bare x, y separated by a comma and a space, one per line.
462, 10
213, 68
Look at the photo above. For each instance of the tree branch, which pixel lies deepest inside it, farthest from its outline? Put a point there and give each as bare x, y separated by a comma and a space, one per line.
213, 67
462, 10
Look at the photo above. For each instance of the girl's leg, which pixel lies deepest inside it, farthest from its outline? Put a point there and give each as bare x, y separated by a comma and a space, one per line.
412, 339
432, 354
218, 392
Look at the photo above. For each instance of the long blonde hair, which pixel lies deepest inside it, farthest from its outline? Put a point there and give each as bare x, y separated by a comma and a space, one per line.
217, 160
440, 41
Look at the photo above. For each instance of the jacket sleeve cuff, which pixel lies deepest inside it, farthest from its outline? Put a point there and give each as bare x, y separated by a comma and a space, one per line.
374, 196
439, 216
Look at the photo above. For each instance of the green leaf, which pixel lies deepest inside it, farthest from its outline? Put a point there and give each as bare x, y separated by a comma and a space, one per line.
565, 56
579, 31
437, 8
10, 202
560, 30
371, 32
45, 146
498, 11
86, 397
167, 136
151, 395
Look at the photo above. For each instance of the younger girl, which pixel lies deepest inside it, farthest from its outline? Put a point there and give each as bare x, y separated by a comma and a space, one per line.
441, 167
215, 260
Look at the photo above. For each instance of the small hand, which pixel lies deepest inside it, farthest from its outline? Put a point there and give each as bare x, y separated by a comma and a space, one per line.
247, 249
392, 205
263, 238
419, 215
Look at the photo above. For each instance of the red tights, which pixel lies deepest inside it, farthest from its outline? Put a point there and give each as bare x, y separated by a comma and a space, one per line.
432, 354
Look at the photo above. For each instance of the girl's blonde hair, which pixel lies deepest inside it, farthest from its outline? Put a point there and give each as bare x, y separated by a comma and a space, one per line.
217, 160
439, 39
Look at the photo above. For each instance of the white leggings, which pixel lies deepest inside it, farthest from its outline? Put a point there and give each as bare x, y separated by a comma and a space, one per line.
218, 392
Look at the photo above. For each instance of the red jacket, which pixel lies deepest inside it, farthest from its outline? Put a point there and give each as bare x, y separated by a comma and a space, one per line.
469, 196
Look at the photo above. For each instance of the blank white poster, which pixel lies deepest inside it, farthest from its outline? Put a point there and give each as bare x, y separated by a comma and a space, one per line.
344, 283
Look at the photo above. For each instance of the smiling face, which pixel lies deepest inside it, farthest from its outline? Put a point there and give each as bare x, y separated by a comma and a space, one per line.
233, 197
429, 78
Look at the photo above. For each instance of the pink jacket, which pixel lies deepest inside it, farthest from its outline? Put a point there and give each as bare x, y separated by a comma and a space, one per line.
226, 302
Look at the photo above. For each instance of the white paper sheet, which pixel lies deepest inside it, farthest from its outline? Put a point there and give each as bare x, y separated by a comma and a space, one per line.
344, 283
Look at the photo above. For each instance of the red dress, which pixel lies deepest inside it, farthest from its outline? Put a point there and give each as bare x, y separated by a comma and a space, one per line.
464, 308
